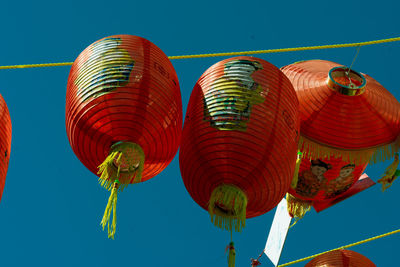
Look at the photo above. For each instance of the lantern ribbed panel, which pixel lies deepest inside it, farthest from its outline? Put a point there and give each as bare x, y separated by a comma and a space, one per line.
341, 258
259, 155
330, 118
5, 142
124, 88
337, 177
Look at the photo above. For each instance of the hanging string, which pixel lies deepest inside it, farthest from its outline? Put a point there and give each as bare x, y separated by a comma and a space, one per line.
354, 59
255, 52
343, 247
351, 84
232, 252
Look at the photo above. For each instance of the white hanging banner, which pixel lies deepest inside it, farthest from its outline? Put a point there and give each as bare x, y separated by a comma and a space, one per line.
277, 234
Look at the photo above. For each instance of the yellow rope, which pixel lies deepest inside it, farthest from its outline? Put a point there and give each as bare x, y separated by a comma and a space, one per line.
395, 39
343, 247
36, 65
288, 49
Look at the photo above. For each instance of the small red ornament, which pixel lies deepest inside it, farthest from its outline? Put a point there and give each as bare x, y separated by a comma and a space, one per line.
123, 112
341, 258
5, 142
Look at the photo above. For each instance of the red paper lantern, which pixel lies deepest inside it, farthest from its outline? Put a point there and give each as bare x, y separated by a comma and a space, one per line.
344, 115
123, 111
341, 258
346, 118
5, 142
239, 141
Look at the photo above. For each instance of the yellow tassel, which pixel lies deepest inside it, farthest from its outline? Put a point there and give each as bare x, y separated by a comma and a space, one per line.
105, 169
111, 205
297, 208
390, 174
227, 207
133, 156
314, 150
114, 177
231, 255
296, 170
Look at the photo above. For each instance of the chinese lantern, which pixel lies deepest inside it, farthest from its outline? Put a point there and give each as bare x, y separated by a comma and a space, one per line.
341, 258
346, 118
239, 141
5, 142
123, 113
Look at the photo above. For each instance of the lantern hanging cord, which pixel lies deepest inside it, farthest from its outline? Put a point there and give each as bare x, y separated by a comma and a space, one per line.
280, 50
351, 84
354, 60
343, 247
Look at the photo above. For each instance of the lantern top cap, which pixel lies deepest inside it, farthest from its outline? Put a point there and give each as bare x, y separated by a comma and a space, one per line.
346, 81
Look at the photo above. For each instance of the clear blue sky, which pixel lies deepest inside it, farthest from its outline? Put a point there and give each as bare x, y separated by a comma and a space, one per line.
52, 205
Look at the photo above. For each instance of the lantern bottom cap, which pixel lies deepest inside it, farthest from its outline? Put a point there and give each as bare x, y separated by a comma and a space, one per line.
227, 207
124, 163
296, 207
